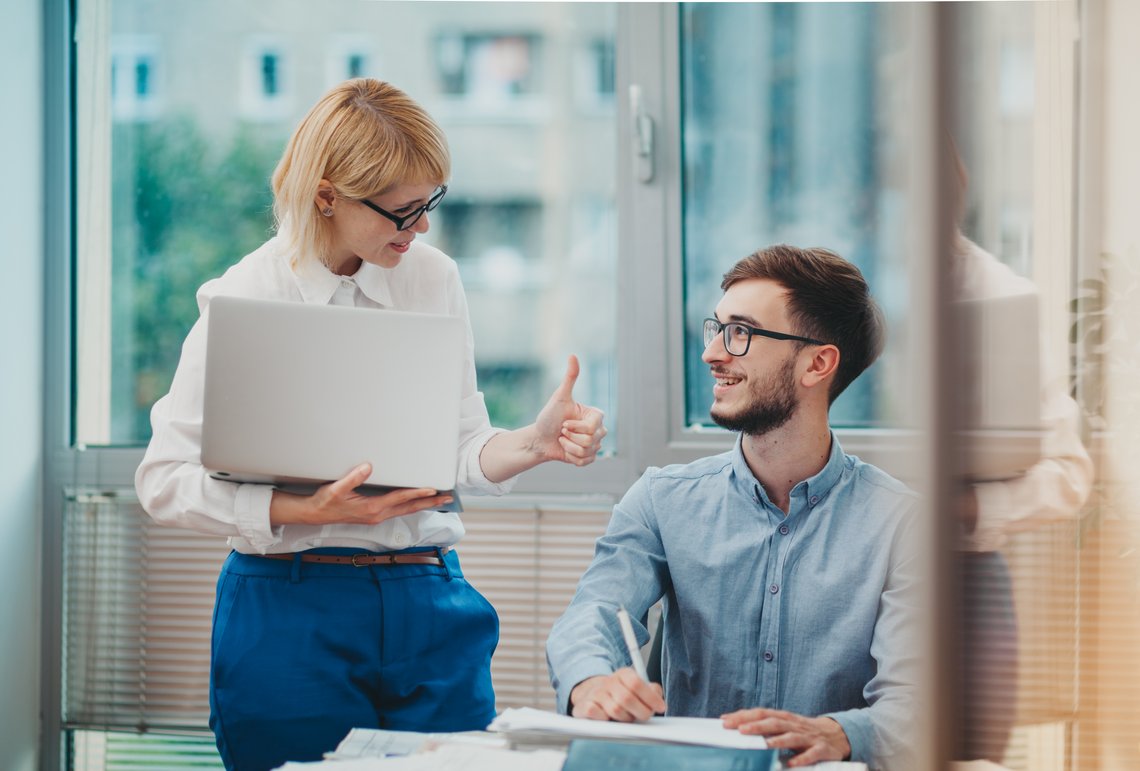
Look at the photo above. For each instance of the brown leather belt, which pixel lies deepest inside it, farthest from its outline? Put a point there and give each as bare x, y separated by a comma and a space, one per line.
365, 559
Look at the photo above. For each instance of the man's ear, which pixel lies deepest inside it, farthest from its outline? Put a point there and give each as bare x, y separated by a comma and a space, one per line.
822, 365
326, 196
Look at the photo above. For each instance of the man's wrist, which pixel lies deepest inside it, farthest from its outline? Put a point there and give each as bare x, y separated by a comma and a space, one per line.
841, 739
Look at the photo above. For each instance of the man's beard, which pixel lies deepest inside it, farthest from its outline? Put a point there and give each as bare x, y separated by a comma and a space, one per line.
773, 404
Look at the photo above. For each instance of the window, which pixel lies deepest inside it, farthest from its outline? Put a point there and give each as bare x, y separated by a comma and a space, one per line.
177, 199
265, 81
350, 56
802, 160
135, 89
497, 76
595, 76
487, 69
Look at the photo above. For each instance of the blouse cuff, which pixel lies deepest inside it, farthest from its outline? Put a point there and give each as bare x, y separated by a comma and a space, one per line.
252, 509
473, 477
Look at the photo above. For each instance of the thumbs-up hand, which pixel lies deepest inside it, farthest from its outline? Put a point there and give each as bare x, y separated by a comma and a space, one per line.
566, 430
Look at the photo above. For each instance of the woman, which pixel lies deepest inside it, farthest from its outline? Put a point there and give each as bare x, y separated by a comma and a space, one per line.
316, 631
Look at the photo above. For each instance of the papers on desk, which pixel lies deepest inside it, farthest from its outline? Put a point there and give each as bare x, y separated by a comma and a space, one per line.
530, 723
447, 757
378, 743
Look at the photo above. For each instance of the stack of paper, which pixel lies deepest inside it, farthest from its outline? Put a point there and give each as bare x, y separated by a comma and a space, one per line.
447, 757
532, 724
379, 743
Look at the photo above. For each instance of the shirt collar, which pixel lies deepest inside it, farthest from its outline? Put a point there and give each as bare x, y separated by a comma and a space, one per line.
818, 485
374, 282
317, 283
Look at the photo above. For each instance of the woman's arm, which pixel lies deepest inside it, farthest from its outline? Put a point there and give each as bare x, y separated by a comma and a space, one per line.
564, 430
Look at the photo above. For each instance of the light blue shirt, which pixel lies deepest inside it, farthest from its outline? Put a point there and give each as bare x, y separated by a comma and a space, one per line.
814, 612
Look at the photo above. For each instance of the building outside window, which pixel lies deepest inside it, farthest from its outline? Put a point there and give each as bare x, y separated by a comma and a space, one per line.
136, 90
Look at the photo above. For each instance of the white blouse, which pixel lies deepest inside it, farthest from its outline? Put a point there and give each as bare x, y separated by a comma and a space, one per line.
175, 489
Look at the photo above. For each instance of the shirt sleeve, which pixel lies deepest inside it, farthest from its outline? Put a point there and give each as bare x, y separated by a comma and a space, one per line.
629, 570
882, 734
173, 486
475, 428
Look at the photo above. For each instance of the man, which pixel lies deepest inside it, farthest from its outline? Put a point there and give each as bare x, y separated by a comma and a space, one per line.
784, 564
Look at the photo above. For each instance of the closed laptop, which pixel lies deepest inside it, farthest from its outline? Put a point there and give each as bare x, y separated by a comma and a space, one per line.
1002, 385
297, 395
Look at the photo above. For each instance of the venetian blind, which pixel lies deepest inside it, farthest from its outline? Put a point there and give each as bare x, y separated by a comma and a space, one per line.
139, 598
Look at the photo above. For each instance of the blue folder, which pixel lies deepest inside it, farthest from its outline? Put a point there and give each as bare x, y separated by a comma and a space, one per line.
599, 755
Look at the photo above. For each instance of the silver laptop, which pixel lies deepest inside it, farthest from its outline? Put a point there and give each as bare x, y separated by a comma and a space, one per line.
1002, 382
297, 395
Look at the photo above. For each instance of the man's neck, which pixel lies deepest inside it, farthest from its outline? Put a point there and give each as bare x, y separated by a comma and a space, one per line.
784, 457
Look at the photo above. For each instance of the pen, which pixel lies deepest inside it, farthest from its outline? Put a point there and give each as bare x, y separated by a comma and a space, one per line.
631, 643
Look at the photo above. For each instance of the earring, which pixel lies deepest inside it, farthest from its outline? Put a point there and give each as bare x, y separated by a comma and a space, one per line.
327, 211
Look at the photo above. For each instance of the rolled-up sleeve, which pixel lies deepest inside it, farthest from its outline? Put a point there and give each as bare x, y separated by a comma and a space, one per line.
628, 570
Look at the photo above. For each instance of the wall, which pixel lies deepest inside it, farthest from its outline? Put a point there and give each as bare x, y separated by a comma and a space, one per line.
21, 381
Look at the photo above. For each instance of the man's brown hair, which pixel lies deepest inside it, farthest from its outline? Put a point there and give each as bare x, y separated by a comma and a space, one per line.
828, 300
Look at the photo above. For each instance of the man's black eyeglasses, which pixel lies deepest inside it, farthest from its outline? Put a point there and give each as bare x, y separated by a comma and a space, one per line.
411, 218
737, 336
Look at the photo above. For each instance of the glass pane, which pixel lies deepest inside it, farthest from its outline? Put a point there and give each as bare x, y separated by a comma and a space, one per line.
787, 139
185, 108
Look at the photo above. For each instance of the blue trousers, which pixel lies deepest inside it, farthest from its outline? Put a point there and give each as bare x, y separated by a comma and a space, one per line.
303, 652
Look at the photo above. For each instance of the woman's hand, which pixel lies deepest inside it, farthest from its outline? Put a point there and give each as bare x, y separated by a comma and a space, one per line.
339, 503
566, 430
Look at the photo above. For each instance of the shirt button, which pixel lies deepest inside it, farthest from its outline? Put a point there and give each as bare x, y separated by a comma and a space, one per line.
399, 539
346, 284
768, 655
814, 500
773, 588
784, 530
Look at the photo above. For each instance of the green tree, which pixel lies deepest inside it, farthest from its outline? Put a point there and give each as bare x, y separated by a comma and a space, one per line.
185, 207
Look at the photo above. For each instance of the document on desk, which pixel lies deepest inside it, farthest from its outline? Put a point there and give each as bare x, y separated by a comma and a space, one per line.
447, 757
672, 730
380, 743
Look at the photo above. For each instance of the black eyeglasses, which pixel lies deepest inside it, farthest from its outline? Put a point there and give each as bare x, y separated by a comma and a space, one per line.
411, 218
737, 336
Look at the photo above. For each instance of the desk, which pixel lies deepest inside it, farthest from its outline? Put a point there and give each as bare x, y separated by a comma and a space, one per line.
365, 750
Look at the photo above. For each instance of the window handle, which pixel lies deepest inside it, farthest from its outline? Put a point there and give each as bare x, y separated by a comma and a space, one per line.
642, 135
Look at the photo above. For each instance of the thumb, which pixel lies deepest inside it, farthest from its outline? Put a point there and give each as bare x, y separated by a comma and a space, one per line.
566, 388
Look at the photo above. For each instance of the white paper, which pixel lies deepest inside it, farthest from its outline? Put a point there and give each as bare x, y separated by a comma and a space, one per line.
674, 730
447, 757
378, 743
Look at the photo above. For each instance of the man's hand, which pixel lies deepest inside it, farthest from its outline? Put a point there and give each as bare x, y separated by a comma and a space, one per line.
812, 738
622, 696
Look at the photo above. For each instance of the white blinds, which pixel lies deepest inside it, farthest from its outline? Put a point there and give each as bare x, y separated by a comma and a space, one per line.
137, 605
527, 563
139, 597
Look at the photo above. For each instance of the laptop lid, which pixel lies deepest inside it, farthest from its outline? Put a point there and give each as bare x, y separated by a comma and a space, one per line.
297, 395
1002, 381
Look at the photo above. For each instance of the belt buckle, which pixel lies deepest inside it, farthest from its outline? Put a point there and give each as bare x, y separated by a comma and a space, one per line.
356, 564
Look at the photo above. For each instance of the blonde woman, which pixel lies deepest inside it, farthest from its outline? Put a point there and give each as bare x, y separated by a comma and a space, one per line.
306, 644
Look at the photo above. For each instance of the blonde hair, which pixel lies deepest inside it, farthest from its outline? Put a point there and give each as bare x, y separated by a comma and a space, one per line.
365, 137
